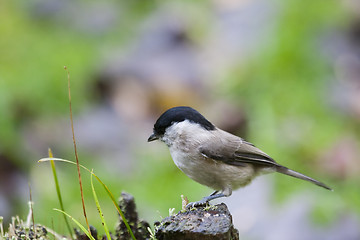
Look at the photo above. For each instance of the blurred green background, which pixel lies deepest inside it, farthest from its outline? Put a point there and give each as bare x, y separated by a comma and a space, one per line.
283, 74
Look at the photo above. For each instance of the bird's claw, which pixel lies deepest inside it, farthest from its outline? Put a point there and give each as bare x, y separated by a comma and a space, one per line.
201, 203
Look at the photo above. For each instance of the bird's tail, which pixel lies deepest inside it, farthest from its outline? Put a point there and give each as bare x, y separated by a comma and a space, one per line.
287, 171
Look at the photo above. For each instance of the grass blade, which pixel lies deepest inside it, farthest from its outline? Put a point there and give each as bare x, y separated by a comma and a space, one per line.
31, 212
57, 186
1, 227
99, 208
104, 186
75, 149
77, 223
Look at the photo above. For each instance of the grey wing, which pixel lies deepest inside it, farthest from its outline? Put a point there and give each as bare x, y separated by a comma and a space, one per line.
233, 150
248, 153
236, 151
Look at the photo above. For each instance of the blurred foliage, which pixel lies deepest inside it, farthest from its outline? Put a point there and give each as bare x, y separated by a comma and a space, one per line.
35, 46
283, 88
288, 80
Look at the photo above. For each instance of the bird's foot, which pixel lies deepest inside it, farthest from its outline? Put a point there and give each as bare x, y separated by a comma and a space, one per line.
205, 200
202, 203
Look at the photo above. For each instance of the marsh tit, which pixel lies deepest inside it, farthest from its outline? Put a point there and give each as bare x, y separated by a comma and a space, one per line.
213, 157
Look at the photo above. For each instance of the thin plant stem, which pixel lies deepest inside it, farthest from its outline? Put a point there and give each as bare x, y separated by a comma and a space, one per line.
31, 209
75, 149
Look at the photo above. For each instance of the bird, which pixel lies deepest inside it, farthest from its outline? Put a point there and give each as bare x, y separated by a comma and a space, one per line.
214, 157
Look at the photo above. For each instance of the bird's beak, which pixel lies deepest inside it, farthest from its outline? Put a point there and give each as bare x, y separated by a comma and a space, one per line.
152, 137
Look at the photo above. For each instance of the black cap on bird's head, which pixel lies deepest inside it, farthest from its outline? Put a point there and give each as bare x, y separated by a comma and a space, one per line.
176, 115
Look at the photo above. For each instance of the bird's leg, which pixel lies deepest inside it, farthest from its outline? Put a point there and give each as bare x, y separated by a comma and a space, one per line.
212, 196
213, 193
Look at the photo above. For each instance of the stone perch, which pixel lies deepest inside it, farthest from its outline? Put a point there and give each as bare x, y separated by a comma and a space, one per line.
211, 222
